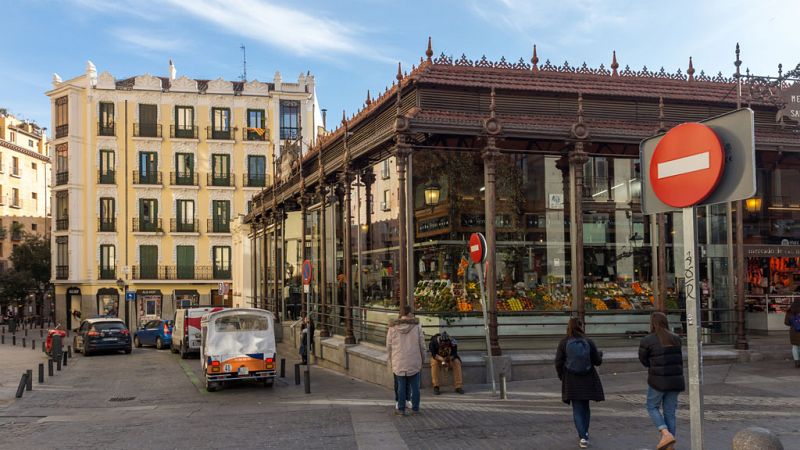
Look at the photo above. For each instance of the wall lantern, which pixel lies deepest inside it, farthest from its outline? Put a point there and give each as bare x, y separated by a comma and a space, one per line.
432, 192
120, 285
753, 205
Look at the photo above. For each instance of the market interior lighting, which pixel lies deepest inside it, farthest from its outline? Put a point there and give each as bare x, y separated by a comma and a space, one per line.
432, 193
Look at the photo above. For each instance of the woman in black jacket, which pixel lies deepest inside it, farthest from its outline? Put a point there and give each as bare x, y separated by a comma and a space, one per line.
660, 352
576, 359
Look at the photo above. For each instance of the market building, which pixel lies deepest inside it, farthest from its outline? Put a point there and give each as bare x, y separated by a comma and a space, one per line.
149, 174
532, 155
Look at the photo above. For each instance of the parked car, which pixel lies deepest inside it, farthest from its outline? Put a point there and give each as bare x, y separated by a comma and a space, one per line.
156, 332
186, 334
102, 333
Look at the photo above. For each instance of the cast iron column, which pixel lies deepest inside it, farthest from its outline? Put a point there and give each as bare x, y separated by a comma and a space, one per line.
323, 263
490, 155
563, 165
264, 261
577, 158
662, 262
368, 178
303, 223
277, 271
401, 152
347, 181
741, 267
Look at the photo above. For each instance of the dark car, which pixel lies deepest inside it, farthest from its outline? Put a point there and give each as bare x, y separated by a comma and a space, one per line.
156, 332
102, 334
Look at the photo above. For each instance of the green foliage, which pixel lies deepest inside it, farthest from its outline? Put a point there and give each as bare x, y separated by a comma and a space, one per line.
33, 257
15, 286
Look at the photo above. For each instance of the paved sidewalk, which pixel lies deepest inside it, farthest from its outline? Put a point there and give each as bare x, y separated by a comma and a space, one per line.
14, 361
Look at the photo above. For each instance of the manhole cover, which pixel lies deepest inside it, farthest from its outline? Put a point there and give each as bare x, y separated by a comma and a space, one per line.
121, 399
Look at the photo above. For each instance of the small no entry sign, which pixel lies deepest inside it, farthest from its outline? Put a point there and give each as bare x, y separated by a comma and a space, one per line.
307, 272
477, 248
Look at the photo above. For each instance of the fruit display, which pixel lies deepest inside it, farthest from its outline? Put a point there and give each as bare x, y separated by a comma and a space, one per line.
434, 296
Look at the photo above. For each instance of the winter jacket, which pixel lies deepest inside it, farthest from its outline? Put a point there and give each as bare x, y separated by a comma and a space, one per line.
406, 346
664, 364
579, 387
794, 335
433, 347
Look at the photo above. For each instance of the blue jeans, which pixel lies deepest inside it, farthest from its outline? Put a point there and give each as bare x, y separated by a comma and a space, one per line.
581, 414
404, 385
668, 401
796, 352
408, 391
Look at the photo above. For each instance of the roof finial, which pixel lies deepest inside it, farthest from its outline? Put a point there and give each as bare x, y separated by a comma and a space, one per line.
534, 60
399, 72
737, 63
780, 71
369, 100
614, 63
344, 117
429, 51
690, 70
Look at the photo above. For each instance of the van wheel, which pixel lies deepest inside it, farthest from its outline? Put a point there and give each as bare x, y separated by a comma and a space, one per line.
159, 344
184, 353
211, 386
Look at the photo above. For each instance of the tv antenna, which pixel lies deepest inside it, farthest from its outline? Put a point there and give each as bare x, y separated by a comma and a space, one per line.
244, 63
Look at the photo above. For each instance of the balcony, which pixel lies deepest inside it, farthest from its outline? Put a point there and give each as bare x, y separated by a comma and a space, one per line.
222, 135
148, 177
218, 226
148, 272
106, 225
106, 273
255, 134
62, 224
182, 132
62, 178
16, 235
62, 131
106, 177
183, 179
106, 129
224, 180
2, 233
222, 274
191, 226
151, 130
254, 180
62, 272
142, 225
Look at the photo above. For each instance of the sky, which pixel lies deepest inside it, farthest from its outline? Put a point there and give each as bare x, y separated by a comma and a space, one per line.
353, 46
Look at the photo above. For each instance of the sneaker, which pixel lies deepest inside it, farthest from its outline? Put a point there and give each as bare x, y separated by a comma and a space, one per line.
399, 412
583, 443
408, 404
436, 390
459, 390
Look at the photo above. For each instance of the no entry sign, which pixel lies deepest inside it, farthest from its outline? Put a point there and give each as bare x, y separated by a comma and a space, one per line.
307, 272
477, 248
687, 165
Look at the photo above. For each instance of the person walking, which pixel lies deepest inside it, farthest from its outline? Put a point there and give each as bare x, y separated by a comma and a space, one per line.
660, 351
306, 334
406, 347
576, 359
792, 320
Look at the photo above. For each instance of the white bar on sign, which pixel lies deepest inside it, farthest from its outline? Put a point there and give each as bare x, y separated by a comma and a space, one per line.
684, 165
474, 248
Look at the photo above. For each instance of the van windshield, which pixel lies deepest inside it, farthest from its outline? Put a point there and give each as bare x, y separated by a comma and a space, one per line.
244, 322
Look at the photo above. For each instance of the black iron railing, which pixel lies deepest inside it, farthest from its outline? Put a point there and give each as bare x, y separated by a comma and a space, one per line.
184, 132
148, 177
185, 226
106, 273
147, 226
254, 179
180, 272
105, 129
147, 130
106, 176
183, 178
218, 226
62, 178
62, 224
62, 131
214, 179
222, 274
62, 272
225, 135
255, 134
105, 224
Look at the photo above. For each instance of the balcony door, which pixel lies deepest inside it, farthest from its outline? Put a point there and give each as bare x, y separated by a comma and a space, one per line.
221, 170
185, 255
184, 169
148, 118
148, 167
148, 261
148, 210
185, 216
222, 215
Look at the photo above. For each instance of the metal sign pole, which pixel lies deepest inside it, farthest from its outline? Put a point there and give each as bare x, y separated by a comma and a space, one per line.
308, 338
486, 327
694, 346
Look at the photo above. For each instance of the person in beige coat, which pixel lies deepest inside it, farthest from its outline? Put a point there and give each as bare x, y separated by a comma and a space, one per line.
405, 344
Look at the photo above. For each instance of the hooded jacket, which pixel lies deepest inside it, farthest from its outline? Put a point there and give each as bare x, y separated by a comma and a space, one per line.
406, 346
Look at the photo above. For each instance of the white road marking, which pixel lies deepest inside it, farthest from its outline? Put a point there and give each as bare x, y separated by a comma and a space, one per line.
684, 165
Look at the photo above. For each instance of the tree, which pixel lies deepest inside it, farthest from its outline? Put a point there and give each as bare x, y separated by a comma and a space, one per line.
33, 257
15, 286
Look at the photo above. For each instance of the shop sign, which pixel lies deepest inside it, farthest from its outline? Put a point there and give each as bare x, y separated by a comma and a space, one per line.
791, 100
73, 291
555, 201
767, 251
148, 292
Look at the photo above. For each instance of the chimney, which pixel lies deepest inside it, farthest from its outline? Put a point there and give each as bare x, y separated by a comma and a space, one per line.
172, 71
325, 119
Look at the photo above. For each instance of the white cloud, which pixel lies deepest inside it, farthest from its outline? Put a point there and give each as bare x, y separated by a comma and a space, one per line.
148, 40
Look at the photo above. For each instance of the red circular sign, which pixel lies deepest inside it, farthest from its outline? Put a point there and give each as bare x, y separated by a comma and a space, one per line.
477, 248
307, 272
687, 165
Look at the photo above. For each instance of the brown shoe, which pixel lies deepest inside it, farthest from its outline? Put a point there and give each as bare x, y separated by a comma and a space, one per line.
667, 440
797, 364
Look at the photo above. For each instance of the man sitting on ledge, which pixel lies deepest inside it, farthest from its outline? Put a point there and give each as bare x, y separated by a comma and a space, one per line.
444, 355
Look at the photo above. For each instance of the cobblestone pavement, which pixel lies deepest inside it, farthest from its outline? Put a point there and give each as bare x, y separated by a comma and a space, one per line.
152, 399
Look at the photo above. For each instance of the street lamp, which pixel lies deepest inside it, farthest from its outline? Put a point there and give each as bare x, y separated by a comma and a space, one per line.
753, 205
432, 192
120, 285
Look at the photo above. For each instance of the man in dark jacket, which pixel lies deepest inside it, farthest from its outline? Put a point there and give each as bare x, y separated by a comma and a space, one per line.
444, 355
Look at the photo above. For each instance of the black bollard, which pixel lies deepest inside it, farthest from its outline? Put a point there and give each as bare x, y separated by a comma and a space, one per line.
33, 344
41, 333
65, 359
41, 373
297, 374
2, 338
49, 367
58, 364
69, 351
14, 339
307, 380
22, 383
283, 367
26, 332
29, 383
23, 343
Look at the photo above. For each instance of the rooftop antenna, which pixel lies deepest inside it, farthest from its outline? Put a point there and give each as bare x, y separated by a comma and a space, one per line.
244, 63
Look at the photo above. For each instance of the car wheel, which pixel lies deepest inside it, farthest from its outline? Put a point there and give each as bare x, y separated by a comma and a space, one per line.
85, 350
211, 386
137, 342
75, 345
159, 344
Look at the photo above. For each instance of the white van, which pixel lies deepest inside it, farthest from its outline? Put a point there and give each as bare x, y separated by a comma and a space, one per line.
186, 331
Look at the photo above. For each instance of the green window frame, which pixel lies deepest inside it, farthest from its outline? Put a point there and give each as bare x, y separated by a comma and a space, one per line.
221, 213
107, 163
185, 214
107, 213
107, 262
220, 169
221, 255
256, 171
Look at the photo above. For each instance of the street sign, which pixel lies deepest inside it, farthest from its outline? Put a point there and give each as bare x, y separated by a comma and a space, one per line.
737, 180
307, 272
130, 296
686, 165
477, 248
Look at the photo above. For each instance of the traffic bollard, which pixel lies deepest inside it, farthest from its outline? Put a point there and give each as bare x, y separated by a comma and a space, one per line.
23, 343
29, 383
69, 351
65, 359
49, 367
41, 373
33, 344
58, 364
13, 339
297, 374
283, 367
26, 332
41, 333
503, 391
307, 380
2, 338
22, 383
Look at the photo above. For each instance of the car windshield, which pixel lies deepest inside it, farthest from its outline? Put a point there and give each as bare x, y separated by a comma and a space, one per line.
106, 326
244, 322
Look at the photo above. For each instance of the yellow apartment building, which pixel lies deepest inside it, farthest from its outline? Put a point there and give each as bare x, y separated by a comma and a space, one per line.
150, 173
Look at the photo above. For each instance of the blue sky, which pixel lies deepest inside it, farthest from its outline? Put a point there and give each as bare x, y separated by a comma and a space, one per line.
355, 45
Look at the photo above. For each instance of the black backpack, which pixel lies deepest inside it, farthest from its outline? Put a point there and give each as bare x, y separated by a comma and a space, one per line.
579, 356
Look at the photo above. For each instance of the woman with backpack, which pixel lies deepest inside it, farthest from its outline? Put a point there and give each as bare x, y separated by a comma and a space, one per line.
792, 320
660, 351
576, 359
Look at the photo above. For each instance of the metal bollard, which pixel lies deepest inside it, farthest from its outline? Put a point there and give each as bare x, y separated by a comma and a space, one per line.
65, 359
307, 380
26, 332
58, 364
49, 367
41, 373
22, 383
23, 343
41, 333
283, 367
297, 374
13, 339
33, 344
2, 338
29, 383
503, 388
